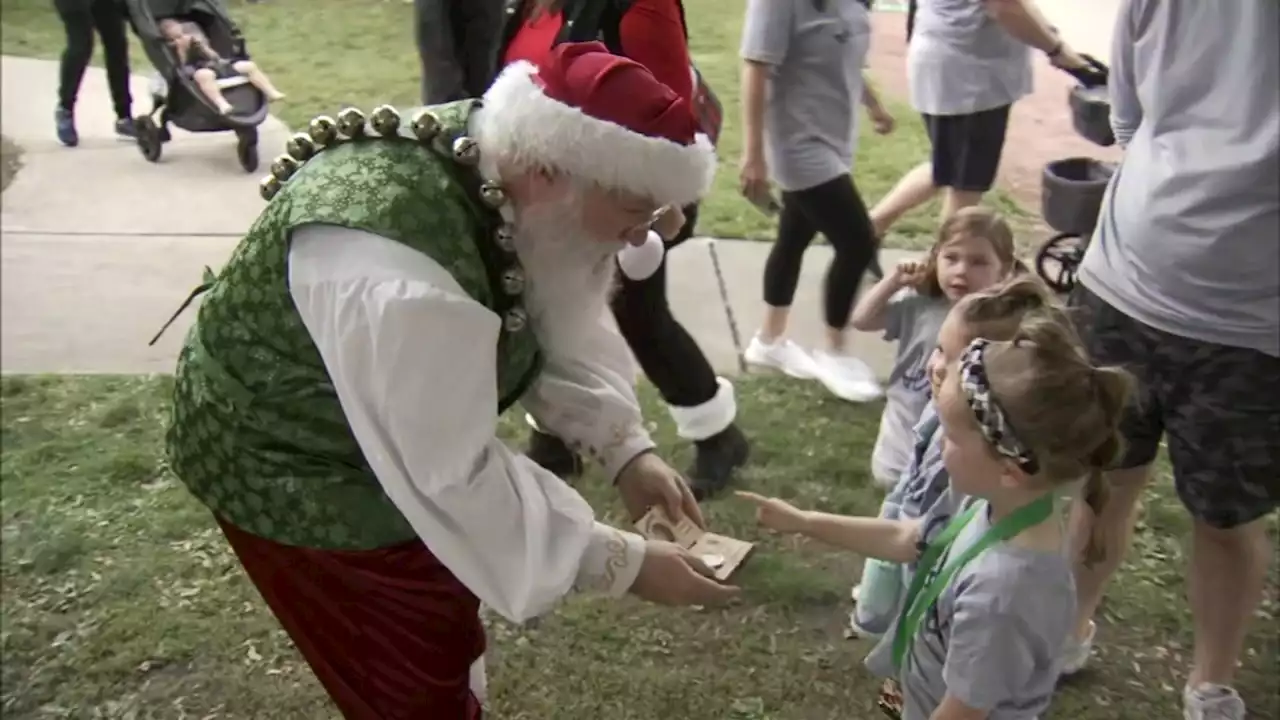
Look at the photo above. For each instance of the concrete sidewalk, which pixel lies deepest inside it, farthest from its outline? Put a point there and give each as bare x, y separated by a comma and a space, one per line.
100, 246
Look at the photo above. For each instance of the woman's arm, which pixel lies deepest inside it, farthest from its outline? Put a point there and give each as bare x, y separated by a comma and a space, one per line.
652, 34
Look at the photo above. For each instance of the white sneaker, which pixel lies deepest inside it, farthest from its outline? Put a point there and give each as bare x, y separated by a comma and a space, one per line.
1076, 653
781, 354
1212, 702
847, 377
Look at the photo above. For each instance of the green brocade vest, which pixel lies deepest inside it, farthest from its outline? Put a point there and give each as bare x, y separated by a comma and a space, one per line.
257, 432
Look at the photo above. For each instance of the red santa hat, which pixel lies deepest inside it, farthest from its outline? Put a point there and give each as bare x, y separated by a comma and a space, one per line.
599, 117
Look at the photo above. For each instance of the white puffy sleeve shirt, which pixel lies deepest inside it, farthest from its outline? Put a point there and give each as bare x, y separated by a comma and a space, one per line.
412, 358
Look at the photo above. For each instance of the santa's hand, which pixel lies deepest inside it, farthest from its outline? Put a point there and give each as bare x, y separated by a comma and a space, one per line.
647, 481
671, 575
669, 223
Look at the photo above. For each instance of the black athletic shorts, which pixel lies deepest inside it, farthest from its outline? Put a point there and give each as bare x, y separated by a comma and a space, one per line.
966, 148
1218, 407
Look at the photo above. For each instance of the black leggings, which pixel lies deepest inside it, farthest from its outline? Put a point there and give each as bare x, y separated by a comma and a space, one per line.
455, 45
670, 358
81, 18
836, 210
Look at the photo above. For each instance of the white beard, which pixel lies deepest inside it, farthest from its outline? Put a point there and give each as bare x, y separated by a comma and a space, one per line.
569, 276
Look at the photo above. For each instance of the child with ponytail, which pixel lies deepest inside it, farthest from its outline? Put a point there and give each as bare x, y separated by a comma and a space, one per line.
991, 597
994, 313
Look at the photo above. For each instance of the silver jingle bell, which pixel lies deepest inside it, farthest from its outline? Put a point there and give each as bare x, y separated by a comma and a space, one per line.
493, 195
323, 131
283, 167
351, 123
513, 281
515, 320
506, 237
466, 151
300, 147
385, 120
425, 125
269, 186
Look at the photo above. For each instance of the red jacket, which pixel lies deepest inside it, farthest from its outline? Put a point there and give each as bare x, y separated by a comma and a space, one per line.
652, 33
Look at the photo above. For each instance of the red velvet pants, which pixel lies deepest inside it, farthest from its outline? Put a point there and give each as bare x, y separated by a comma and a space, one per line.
390, 633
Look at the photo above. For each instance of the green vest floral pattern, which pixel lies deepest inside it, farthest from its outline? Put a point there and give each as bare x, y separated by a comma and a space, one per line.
257, 432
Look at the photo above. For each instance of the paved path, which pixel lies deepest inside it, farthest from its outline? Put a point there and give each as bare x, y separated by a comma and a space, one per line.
100, 247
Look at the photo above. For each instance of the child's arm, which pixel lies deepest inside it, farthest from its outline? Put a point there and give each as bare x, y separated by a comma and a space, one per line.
891, 540
870, 314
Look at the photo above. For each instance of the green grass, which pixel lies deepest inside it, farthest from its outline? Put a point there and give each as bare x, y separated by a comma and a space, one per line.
327, 53
121, 600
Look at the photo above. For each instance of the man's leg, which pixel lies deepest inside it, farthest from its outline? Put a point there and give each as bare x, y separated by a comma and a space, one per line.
434, 30
1113, 531
1112, 339
1223, 421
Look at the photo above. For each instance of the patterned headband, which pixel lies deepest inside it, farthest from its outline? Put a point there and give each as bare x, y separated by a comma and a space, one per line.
991, 417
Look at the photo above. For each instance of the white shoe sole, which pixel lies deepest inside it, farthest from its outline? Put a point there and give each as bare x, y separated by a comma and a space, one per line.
771, 364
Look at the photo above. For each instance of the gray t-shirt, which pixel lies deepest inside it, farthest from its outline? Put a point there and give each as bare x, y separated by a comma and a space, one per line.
960, 61
817, 49
913, 320
995, 637
1189, 237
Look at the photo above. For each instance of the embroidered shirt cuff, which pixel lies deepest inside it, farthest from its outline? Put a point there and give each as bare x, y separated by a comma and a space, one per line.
624, 450
612, 561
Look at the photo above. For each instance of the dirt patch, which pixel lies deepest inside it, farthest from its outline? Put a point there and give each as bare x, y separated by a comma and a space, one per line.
1039, 127
10, 162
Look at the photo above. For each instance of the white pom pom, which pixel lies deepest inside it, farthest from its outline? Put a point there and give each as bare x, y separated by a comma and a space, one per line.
640, 261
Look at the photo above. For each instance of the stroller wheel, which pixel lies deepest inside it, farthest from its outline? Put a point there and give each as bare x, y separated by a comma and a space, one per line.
1058, 260
247, 149
149, 142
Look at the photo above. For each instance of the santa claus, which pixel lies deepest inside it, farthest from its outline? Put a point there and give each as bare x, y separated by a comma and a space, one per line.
337, 398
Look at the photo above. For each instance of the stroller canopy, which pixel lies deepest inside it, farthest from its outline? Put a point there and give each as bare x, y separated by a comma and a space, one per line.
145, 14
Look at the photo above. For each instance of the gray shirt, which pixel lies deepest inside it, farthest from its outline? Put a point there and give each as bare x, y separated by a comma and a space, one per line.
960, 61
912, 320
817, 49
925, 480
1189, 236
995, 636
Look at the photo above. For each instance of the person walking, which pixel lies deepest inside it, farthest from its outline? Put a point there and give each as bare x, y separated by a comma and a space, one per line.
1181, 284
651, 32
455, 44
801, 84
968, 62
81, 19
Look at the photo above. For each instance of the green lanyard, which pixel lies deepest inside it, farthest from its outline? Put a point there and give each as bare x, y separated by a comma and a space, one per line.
920, 598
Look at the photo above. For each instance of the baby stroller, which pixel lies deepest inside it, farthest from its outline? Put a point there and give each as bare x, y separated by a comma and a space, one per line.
177, 99
1072, 189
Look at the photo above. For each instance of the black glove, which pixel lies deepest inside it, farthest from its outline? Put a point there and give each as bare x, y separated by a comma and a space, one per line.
1092, 74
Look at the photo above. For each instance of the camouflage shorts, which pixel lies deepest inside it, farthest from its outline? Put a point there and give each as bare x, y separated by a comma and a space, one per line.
1218, 405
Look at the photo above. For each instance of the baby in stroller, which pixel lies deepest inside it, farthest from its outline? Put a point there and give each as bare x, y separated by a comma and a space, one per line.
205, 66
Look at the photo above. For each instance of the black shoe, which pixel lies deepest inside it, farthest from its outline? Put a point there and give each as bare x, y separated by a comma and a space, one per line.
125, 128
552, 454
718, 457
